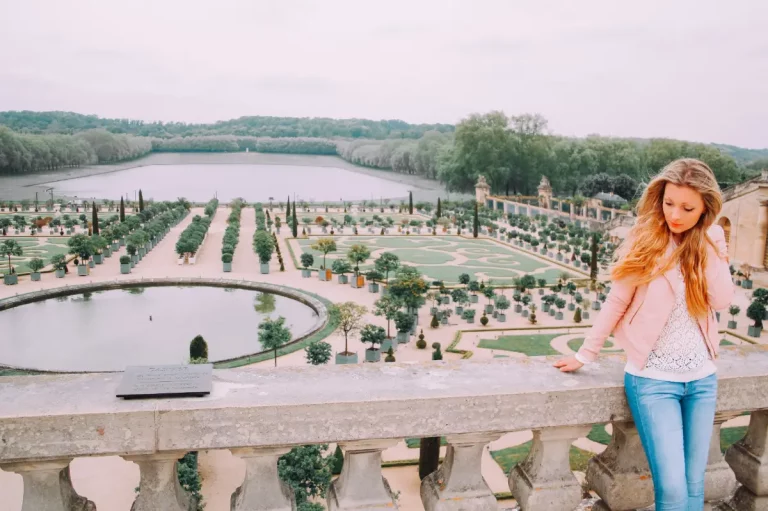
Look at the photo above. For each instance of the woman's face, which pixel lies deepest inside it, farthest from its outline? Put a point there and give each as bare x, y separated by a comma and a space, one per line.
683, 206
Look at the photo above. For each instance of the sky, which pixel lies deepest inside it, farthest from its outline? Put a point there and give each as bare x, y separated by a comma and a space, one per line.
688, 69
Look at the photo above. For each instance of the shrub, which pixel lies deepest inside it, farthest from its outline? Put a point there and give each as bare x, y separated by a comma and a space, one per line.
756, 312
421, 344
390, 355
435, 323
226, 258
435, 345
36, 264
307, 260
484, 320
403, 321
198, 348
577, 315
125, 259
437, 354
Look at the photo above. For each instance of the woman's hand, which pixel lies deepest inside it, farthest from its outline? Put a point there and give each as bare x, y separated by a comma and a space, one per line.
568, 364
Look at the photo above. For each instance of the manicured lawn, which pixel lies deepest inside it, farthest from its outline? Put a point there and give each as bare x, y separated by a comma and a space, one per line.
599, 434
729, 436
531, 345
575, 344
511, 456
415, 443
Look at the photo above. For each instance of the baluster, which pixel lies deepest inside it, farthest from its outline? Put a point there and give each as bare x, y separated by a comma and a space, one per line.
544, 481
749, 460
262, 489
620, 474
361, 486
458, 484
48, 486
719, 479
159, 486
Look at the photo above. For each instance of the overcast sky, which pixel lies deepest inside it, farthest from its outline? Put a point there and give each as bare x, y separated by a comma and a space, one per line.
693, 69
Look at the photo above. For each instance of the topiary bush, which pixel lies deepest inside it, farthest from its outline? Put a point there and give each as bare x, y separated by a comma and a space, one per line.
198, 348
577, 315
434, 323
484, 320
390, 355
421, 343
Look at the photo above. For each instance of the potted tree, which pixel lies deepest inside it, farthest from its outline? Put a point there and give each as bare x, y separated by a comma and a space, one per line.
445, 313
307, 260
226, 259
358, 254
373, 335
386, 263
461, 298
746, 271
388, 307
349, 316
373, 276
559, 303
542, 283
99, 245
469, 315
755, 312
489, 293
421, 343
733, 310
59, 263
502, 303
36, 264
264, 247
82, 246
526, 301
10, 248
131, 250
324, 245
404, 323
341, 267
125, 264
474, 287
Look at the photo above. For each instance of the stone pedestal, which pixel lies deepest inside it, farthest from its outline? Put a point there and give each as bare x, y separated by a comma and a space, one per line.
620, 474
458, 484
159, 486
544, 481
719, 479
262, 489
748, 459
48, 487
361, 485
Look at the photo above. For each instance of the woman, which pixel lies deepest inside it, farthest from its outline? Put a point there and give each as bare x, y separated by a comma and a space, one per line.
671, 275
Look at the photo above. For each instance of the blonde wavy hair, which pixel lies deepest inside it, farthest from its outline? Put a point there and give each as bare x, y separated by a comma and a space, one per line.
640, 257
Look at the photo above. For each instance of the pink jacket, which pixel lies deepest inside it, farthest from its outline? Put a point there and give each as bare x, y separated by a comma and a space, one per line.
637, 314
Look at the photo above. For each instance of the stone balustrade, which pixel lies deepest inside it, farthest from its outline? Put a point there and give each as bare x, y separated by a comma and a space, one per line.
46, 421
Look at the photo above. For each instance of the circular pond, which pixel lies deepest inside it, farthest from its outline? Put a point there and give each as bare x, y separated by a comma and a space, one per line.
109, 330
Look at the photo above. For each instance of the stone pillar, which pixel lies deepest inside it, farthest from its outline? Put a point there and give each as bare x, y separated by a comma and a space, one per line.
159, 486
749, 460
620, 474
719, 480
758, 245
361, 487
613, 213
262, 489
544, 481
458, 484
570, 211
48, 486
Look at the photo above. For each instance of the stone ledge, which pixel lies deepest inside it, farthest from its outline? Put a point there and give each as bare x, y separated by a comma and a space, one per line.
77, 415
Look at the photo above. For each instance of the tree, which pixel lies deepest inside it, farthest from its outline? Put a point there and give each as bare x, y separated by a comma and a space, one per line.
577, 315
294, 222
288, 207
273, 334
439, 212
387, 262
760, 295
756, 312
198, 349
464, 279
373, 335
36, 264
59, 261
318, 353
11, 248
324, 245
306, 471
434, 323
475, 223
410, 203
141, 201
82, 246
358, 254
387, 306
94, 219
349, 316
734, 310
307, 260
122, 210
593, 258
409, 287
264, 246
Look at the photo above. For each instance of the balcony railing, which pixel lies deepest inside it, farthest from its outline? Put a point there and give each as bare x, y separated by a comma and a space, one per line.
47, 421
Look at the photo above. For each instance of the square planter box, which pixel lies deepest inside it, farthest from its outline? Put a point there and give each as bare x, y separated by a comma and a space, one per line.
358, 282
373, 288
488, 309
91, 263
343, 279
402, 337
754, 331
82, 270
525, 313
470, 320
342, 359
746, 284
474, 298
518, 308
502, 317
545, 307
585, 315
35, 276
459, 310
541, 291
571, 307
372, 355
125, 268
11, 280
595, 306
98, 259
227, 266
306, 273
264, 267
495, 314
142, 252
446, 299
552, 312
59, 274
559, 315
732, 325
444, 320
433, 310
107, 252
389, 343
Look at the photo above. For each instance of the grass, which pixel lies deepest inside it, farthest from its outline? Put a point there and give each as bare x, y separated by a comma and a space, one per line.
599, 434
575, 344
415, 443
729, 436
511, 456
532, 345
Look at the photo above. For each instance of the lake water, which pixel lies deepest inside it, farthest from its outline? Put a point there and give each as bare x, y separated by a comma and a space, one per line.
255, 183
106, 331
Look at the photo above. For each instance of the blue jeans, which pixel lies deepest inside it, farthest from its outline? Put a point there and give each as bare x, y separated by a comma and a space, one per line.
674, 421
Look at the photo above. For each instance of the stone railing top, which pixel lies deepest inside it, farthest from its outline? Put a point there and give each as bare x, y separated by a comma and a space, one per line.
77, 415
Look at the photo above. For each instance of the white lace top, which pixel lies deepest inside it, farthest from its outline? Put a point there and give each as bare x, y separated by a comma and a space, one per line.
680, 353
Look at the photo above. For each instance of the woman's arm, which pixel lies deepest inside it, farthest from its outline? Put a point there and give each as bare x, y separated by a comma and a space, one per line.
616, 304
717, 273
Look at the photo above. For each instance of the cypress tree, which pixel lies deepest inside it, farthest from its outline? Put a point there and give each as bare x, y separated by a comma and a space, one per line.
141, 201
122, 210
288, 207
410, 203
439, 211
95, 219
475, 223
593, 260
295, 223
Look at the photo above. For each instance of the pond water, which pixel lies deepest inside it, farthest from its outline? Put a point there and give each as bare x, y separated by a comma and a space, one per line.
109, 330
255, 183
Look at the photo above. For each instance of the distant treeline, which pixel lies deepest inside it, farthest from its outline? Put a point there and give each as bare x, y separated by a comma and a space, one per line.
278, 127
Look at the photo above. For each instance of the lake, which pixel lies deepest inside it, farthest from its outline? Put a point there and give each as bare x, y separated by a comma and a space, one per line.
255, 183
109, 330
